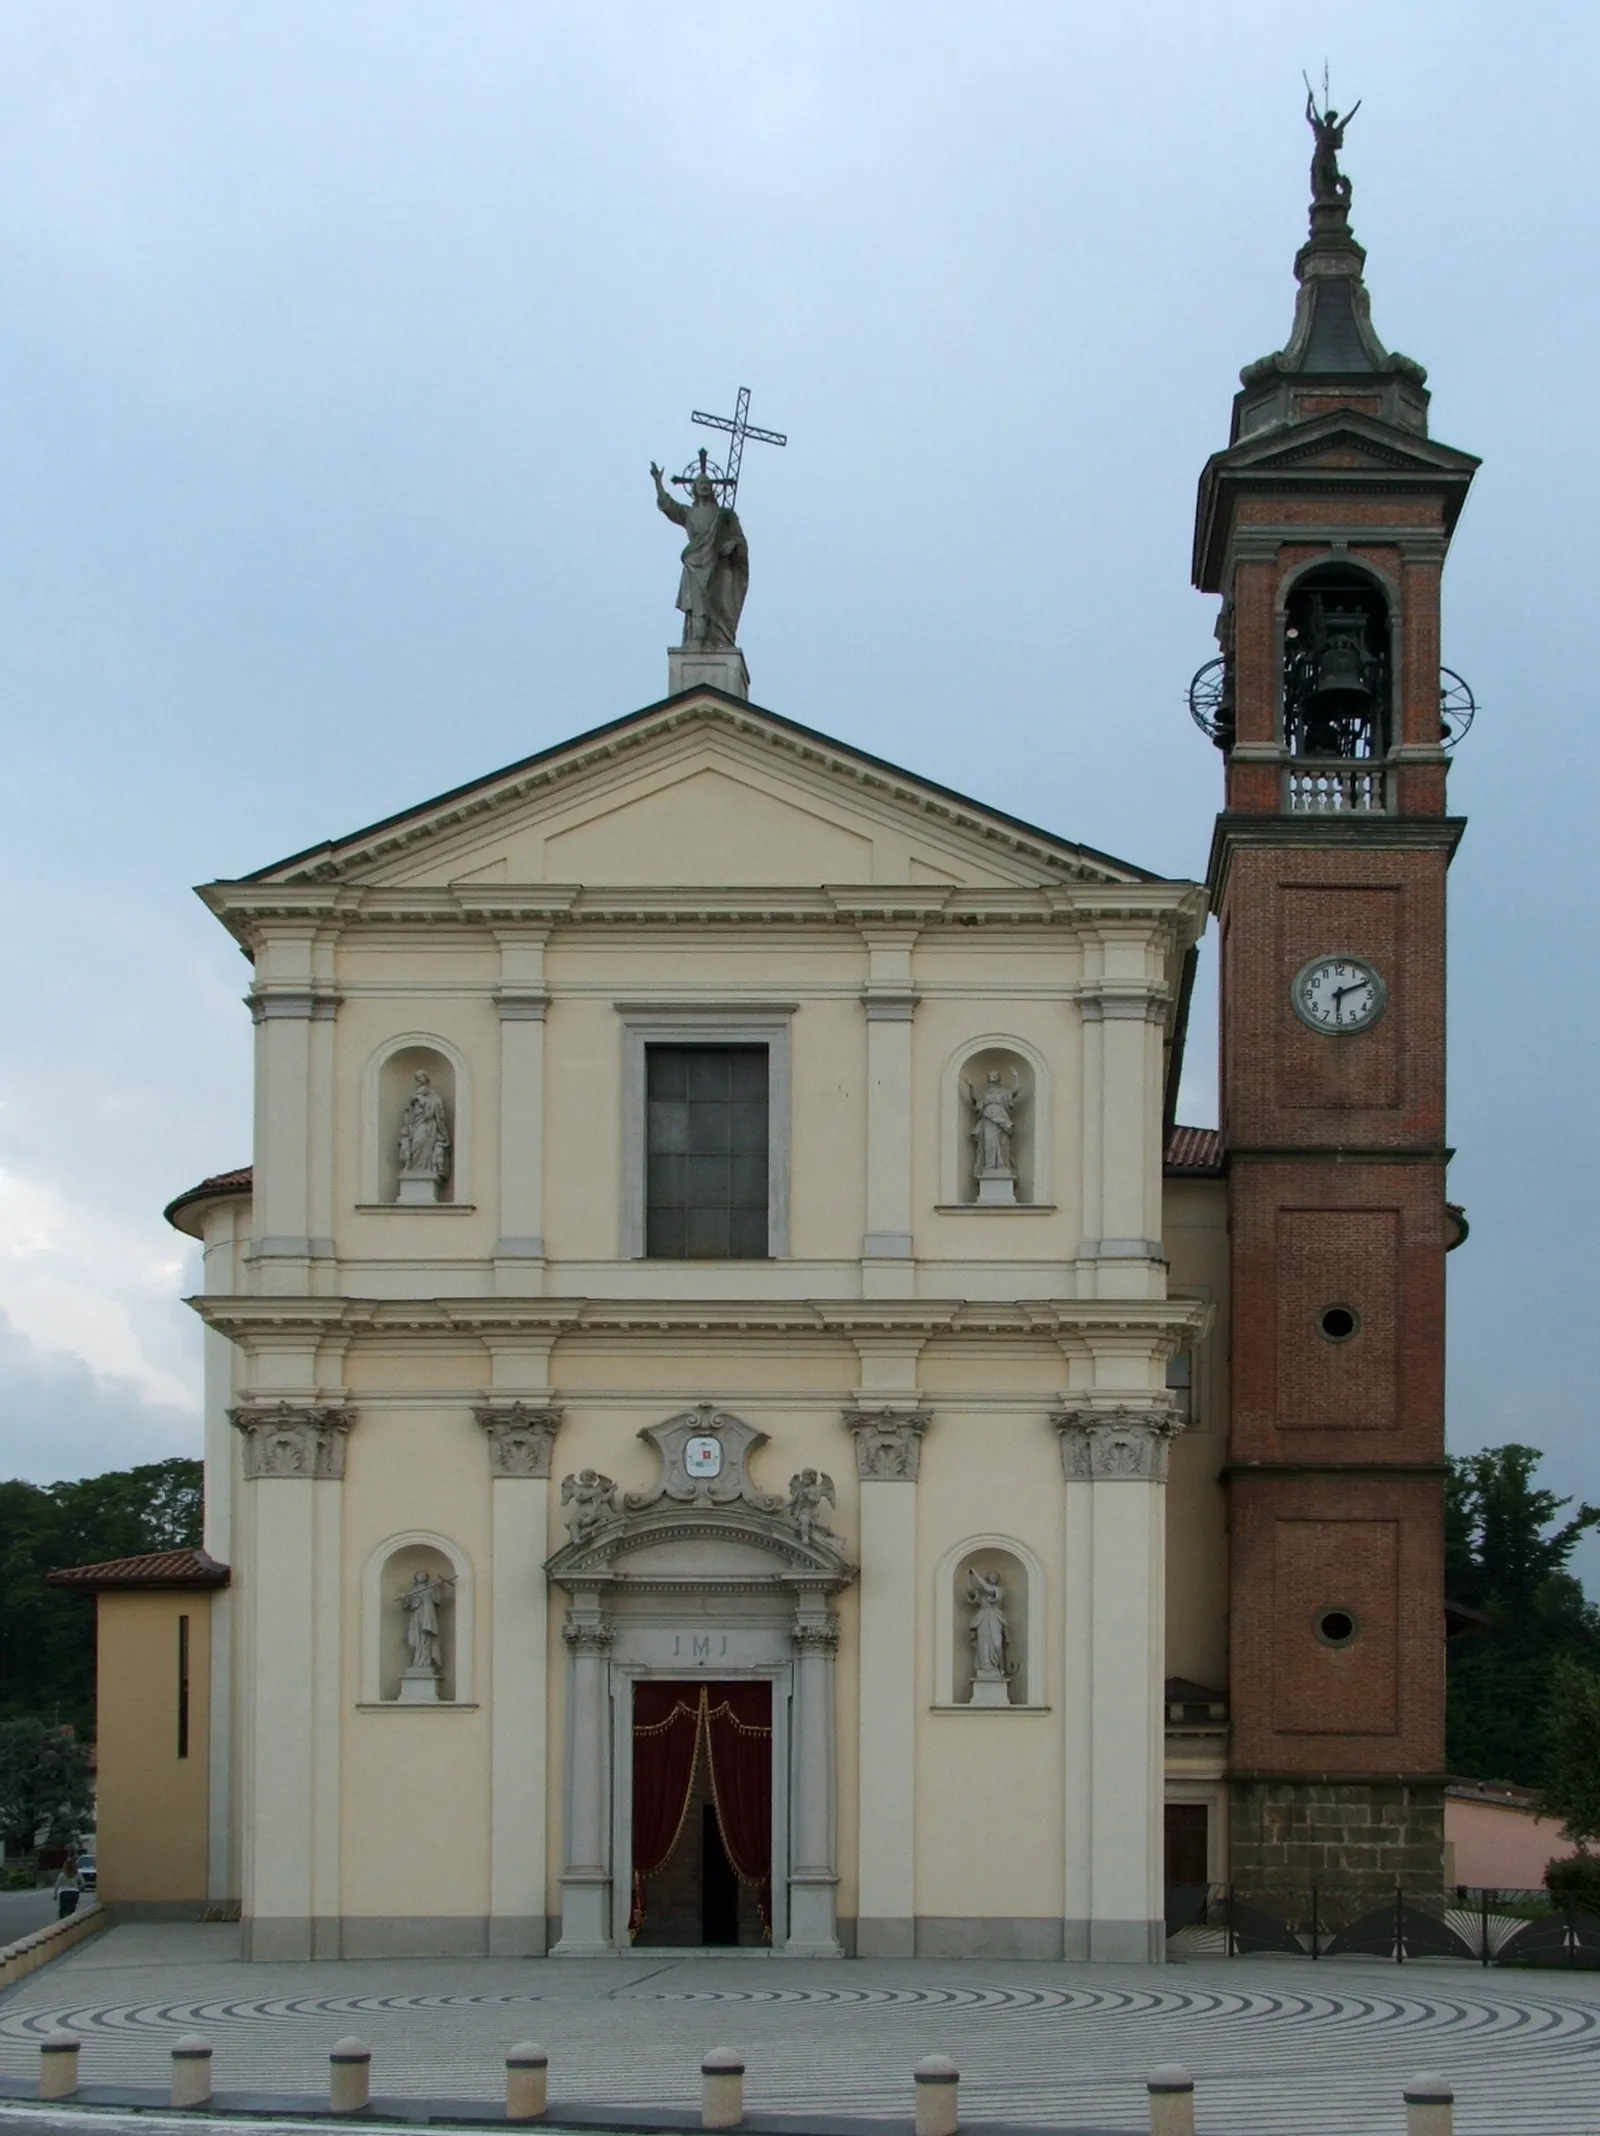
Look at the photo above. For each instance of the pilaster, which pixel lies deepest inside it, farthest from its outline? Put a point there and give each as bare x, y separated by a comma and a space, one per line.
889, 1000
813, 1868
522, 1002
294, 1458
586, 1870
888, 1444
521, 1437
1114, 1463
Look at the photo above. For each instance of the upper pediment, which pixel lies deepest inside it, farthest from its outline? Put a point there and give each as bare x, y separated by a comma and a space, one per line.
702, 791
1344, 437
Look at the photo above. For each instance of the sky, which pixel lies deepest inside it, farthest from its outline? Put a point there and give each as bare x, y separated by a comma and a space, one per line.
336, 340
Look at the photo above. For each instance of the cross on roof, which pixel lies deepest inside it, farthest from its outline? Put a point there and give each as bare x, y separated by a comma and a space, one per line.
739, 428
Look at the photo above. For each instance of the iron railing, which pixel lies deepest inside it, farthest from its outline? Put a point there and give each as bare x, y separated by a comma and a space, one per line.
1488, 1927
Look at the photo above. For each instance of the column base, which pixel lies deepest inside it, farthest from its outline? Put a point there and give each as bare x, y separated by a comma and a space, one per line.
585, 1919
1115, 1942
813, 1920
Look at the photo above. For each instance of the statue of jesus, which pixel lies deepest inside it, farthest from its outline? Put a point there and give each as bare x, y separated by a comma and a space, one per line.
716, 562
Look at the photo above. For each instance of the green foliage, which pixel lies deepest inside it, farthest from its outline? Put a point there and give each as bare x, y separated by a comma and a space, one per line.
1571, 1788
44, 1782
1575, 1882
1504, 1556
47, 1635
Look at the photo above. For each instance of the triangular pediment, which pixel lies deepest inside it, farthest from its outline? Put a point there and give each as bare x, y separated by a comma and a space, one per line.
701, 790
1345, 438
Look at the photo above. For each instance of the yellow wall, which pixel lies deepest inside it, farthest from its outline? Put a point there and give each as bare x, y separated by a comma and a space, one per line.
152, 1803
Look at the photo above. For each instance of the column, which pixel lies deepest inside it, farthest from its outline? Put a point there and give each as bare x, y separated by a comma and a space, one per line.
888, 1458
224, 1223
887, 1268
521, 1439
813, 1866
586, 1871
1115, 1467
284, 1003
293, 1468
521, 1001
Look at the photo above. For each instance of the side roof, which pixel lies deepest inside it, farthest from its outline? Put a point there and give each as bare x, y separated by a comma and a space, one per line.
157, 1569
570, 757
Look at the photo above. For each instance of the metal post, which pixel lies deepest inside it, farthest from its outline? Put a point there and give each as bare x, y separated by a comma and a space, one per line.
1316, 1926
1230, 1920
1399, 1926
1483, 1918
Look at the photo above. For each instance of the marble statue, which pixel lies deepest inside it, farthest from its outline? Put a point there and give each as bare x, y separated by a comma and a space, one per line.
716, 562
424, 1143
808, 1493
592, 1501
420, 1604
990, 1671
1328, 182
993, 1160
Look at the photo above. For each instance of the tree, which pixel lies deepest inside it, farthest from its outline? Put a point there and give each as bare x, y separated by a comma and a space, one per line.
44, 1783
1504, 1557
46, 1635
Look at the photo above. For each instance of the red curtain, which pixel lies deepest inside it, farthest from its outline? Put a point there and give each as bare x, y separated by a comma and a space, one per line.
738, 1722
667, 1721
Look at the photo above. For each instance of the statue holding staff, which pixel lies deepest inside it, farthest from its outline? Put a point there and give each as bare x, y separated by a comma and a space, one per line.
1329, 185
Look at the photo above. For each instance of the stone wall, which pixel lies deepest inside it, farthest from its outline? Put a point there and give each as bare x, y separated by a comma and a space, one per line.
1354, 1834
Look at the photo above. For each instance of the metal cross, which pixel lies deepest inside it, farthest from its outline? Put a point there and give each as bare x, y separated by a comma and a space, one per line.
739, 428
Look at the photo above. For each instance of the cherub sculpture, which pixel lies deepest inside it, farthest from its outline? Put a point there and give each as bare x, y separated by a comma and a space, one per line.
592, 1501
808, 1492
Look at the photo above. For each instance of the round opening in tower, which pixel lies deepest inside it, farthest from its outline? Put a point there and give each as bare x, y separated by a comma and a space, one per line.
1336, 1627
1336, 666
1338, 1323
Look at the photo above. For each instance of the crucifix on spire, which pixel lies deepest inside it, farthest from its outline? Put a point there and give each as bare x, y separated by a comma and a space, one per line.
739, 428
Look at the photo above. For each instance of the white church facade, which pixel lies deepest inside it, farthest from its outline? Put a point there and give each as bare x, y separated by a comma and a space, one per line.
699, 1354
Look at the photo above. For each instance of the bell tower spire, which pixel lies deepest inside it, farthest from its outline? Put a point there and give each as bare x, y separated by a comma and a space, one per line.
1324, 526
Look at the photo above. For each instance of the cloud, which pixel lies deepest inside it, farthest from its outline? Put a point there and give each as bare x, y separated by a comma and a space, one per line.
60, 1419
80, 1285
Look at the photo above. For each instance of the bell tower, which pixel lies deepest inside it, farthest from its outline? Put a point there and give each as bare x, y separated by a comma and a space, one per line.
1324, 527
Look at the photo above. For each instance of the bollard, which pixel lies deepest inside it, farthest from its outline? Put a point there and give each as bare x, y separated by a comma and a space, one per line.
527, 2082
1171, 2090
721, 2090
191, 2070
349, 2076
58, 2065
938, 2081
1430, 2105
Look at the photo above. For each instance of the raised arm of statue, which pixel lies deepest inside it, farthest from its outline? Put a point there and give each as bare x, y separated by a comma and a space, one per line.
665, 501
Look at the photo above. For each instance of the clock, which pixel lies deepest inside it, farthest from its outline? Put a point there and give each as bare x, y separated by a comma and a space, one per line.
1334, 994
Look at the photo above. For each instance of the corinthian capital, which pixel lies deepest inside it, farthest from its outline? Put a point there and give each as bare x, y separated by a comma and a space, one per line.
888, 1443
1116, 1445
293, 1439
522, 1437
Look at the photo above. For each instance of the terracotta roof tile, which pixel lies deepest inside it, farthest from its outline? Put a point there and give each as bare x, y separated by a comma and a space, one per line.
238, 1181
158, 1568
1194, 1150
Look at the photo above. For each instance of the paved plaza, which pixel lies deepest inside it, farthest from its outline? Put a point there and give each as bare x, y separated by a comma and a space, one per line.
1275, 2045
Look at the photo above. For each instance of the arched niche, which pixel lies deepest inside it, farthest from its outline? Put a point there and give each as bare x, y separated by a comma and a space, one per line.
387, 1084
1021, 1578
996, 1053
385, 1654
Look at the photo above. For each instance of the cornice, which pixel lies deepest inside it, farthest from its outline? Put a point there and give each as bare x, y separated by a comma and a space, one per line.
1237, 830
254, 911
248, 1320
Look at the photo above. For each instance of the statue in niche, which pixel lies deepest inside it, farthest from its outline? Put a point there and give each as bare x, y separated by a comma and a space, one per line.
591, 1500
808, 1493
991, 1673
424, 1143
716, 561
420, 1604
992, 1132
1329, 185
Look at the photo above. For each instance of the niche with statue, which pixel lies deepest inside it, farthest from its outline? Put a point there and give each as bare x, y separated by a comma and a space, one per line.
417, 1627
417, 1127
989, 1652
996, 1128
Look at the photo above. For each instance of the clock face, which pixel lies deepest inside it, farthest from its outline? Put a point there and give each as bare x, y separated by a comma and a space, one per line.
1338, 994
702, 1457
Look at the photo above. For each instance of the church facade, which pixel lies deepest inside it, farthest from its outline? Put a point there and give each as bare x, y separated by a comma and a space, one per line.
734, 1415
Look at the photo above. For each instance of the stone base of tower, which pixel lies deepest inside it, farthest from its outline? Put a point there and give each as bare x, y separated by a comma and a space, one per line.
1352, 1834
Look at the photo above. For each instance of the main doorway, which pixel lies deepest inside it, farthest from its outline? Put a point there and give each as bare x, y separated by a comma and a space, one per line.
702, 1813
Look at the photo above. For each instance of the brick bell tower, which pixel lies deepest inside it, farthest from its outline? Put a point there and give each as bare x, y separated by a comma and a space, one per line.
1324, 527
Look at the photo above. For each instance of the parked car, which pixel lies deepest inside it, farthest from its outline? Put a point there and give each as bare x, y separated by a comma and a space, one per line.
86, 1872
